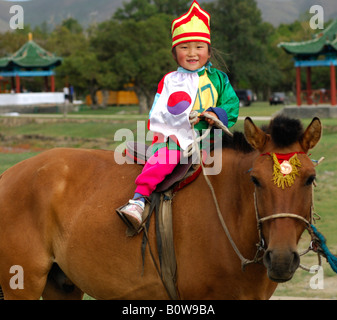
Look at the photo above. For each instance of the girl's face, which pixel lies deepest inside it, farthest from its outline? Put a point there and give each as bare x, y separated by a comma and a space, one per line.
192, 55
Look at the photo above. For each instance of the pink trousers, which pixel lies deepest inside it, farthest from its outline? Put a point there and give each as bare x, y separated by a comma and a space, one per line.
156, 169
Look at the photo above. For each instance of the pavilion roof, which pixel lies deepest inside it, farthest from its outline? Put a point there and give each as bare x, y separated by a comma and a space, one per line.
323, 42
30, 55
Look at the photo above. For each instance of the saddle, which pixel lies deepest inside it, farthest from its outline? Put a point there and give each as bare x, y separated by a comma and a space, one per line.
183, 174
160, 202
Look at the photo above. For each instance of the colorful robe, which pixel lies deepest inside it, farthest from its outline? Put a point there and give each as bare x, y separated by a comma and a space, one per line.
182, 91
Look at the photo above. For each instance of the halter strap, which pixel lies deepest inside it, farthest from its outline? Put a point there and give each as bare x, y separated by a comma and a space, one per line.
284, 215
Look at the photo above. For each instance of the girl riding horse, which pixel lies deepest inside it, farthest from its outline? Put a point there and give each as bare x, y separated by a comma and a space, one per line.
194, 86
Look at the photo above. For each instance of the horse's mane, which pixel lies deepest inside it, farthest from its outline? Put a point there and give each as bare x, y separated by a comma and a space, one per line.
284, 131
236, 142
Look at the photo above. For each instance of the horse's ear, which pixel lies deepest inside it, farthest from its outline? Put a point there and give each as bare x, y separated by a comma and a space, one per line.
254, 135
312, 134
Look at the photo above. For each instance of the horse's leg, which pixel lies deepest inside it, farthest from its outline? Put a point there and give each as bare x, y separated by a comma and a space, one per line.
24, 269
53, 292
59, 287
29, 287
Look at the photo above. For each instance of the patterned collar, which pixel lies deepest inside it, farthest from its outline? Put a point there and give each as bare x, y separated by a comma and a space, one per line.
207, 66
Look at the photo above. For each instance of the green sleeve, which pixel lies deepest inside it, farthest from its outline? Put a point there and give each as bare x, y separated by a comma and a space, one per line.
227, 98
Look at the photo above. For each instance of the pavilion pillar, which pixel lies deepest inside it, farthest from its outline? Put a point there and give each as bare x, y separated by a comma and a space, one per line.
46, 84
298, 86
309, 90
17, 83
333, 84
52, 83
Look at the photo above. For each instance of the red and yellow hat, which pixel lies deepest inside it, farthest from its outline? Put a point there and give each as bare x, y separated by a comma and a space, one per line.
192, 26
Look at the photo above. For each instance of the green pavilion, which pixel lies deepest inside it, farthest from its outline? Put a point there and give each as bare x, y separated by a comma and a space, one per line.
320, 51
30, 61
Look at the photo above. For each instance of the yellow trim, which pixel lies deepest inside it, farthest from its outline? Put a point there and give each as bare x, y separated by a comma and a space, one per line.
188, 39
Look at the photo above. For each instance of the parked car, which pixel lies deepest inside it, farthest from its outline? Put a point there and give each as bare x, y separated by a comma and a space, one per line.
245, 97
277, 98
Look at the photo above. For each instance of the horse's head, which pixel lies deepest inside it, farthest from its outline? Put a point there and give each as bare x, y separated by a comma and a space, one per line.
283, 176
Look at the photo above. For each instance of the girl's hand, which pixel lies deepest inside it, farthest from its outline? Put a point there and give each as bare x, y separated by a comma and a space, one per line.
210, 121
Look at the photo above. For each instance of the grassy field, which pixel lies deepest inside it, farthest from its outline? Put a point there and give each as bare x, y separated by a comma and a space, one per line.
25, 136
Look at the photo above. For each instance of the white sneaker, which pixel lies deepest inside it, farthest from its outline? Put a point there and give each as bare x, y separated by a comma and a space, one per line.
133, 212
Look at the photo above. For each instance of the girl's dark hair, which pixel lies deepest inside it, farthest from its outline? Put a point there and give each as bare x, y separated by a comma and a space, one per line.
216, 57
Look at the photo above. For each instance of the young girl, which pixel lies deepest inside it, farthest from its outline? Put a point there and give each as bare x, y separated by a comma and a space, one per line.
194, 86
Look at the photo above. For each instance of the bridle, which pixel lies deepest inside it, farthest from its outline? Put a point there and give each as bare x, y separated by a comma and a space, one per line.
260, 246
313, 246
308, 227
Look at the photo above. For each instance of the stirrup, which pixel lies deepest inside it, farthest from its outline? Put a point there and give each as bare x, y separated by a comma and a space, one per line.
127, 221
131, 231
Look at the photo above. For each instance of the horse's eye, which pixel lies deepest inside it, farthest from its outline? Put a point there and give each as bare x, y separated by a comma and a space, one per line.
310, 180
255, 181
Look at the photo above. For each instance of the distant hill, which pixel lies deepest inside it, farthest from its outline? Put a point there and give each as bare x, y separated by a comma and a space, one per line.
287, 11
54, 11
86, 11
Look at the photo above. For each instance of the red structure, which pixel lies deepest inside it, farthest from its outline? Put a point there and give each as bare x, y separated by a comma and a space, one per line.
3, 84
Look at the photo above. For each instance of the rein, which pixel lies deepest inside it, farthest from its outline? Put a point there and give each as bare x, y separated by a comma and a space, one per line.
195, 148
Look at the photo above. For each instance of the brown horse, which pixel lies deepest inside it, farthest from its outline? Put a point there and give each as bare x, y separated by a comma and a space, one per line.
58, 223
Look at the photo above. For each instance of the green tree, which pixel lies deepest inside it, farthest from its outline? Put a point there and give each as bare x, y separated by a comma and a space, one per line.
80, 66
136, 52
237, 30
137, 10
144, 9
72, 25
11, 41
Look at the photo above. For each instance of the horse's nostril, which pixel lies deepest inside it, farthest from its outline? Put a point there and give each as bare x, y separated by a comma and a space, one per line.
296, 262
267, 258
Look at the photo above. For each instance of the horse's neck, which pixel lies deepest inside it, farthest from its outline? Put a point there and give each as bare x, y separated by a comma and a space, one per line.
235, 175
233, 188
237, 192
196, 222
